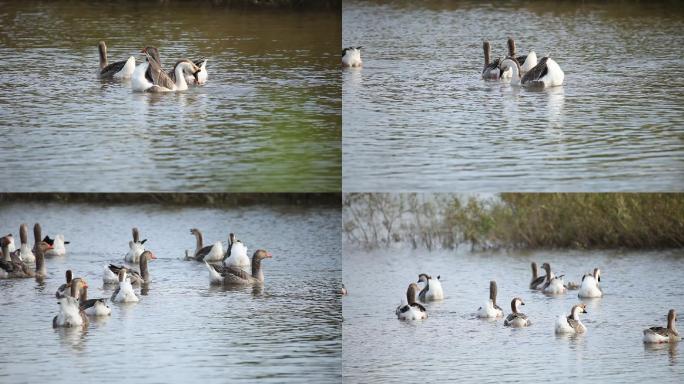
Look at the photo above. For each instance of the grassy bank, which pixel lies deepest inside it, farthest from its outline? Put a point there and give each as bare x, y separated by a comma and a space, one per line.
185, 199
516, 220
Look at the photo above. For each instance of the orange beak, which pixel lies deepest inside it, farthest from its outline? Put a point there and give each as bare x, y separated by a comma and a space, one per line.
152, 255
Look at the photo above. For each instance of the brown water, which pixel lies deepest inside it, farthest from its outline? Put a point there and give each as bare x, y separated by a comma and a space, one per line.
268, 118
182, 329
452, 344
418, 117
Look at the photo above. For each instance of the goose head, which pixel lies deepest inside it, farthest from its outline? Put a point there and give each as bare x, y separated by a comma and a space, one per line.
151, 52
510, 65
546, 267
261, 254
424, 278
577, 309
515, 303
597, 274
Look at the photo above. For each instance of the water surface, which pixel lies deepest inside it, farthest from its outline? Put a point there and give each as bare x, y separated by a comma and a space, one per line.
182, 329
268, 118
639, 288
418, 116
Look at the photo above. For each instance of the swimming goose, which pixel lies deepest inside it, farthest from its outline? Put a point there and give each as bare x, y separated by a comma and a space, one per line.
69, 314
490, 310
210, 253
201, 77
25, 253
491, 70
12, 247
553, 284
120, 69
547, 73
536, 282
515, 318
432, 291
161, 80
58, 245
93, 307
124, 292
527, 62
136, 278
235, 276
663, 335
590, 285
63, 289
136, 247
351, 57
410, 309
237, 256
572, 323
17, 269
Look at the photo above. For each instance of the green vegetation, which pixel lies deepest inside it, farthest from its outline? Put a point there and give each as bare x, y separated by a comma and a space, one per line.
516, 220
185, 199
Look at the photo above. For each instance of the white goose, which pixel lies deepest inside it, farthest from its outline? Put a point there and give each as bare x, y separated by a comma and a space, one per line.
69, 314
490, 310
136, 247
527, 62
161, 81
202, 75
120, 69
553, 285
210, 253
410, 309
236, 256
432, 291
92, 307
663, 335
516, 318
351, 57
124, 293
547, 73
590, 285
58, 245
572, 323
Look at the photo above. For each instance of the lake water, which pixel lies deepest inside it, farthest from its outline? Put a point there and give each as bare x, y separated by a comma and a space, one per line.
268, 119
182, 330
417, 116
452, 344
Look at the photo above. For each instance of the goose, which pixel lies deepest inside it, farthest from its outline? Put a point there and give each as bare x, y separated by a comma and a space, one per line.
237, 255
141, 80
211, 253
343, 291
25, 252
572, 323
136, 247
536, 282
553, 285
547, 73
58, 245
161, 80
351, 57
236, 276
136, 278
120, 69
527, 62
12, 247
490, 310
410, 309
17, 269
432, 291
663, 335
69, 314
590, 285
92, 307
124, 292
515, 318
63, 289
189, 78
491, 70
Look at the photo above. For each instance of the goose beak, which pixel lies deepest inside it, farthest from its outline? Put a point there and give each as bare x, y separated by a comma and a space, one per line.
152, 256
269, 255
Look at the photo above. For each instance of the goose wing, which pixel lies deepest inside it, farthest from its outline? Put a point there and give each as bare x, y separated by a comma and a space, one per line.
536, 73
112, 68
236, 272
157, 75
535, 283
202, 253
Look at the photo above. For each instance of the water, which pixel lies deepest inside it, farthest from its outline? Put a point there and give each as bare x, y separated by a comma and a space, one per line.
639, 288
182, 330
268, 118
419, 108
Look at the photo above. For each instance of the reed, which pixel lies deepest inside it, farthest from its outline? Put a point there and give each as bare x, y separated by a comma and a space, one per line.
516, 220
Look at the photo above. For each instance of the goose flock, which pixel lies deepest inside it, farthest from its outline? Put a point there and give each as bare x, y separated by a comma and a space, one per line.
232, 267
413, 306
150, 76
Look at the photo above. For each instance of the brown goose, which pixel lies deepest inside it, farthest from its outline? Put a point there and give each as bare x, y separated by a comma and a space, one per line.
663, 335
411, 310
491, 70
234, 276
211, 253
18, 269
515, 318
119, 69
161, 82
137, 278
